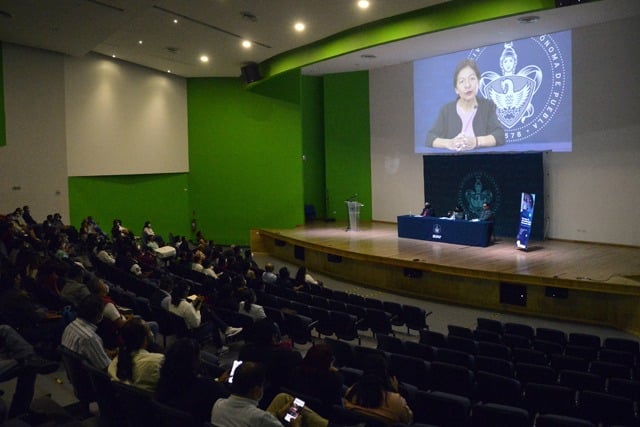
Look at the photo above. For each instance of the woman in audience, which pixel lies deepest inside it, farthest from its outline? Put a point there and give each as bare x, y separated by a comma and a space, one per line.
304, 280
249, 307
317, 377
181, 385
376, 394
134, 365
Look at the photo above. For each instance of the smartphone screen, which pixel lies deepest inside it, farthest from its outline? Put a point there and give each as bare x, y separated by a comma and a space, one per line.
235, 365
294, 410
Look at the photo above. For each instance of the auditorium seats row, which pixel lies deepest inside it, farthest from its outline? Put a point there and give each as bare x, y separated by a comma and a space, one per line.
531, 389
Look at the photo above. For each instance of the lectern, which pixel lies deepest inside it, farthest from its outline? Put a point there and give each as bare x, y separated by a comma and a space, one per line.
353, 207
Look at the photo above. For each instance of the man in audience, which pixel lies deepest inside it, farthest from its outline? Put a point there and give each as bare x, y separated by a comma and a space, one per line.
80, 335
74, 289
161, 296
269, 277
241, 408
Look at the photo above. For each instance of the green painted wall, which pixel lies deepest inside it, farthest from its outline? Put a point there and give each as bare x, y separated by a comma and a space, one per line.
347, 142
3, 123
161, 199
245, 160
312, 106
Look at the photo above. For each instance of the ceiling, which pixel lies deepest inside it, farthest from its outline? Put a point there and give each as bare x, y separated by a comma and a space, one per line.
216, 28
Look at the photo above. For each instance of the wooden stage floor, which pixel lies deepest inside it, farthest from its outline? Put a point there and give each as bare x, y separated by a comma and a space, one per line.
550, 261
583, 282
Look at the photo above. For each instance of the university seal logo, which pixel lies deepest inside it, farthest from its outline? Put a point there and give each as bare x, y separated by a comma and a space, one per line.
527, 96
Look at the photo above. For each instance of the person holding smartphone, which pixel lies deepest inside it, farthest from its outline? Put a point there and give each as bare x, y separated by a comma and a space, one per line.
241, 408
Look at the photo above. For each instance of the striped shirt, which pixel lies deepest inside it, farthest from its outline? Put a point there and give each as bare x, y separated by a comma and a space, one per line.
80, 336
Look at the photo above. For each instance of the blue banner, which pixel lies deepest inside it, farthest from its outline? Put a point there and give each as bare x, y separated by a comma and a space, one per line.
527, 202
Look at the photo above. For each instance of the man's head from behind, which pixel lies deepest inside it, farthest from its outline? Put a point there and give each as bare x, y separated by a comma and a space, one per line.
248, 380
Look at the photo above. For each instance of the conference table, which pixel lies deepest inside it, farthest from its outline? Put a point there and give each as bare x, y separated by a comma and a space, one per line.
435, 229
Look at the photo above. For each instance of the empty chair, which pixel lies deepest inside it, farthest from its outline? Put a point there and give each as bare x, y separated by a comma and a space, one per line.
168, 416
516, 341
360, 353
553, 335
616, 356
356, 300
104, 394
519, 329
498, 389
527, 355
488, 336
300, 308
553, 420
341, 295
581, 380
416, 349
345, 325
622, 344
560, 362
379, 322
547, 347
299, 327
489, 325
410, 370
549, 399
500, 351
495, 366
303, 297
453, 379
361, 314
493, 414
396, 311
624, 388
460, 331
135, 404
432, 338
374, 303
342, 352
322, 319
276, 316
319, 301
415, 318
454, 357
609, 370
605, 408
529, 373
441, 409
336, 305
467, 345
584, 352
79, 377
390, 344
585, 340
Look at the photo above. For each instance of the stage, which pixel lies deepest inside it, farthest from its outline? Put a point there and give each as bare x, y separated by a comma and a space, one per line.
591, 283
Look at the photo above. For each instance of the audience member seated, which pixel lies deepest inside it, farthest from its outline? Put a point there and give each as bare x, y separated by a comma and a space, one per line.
80, 335
104, 255
192, 314
161, 296
304, 280
284, 279
249, 307
241, 408
181, 384
20, 361
74, 289
376, 394
269, 277
134, 365
315, 376
263, 346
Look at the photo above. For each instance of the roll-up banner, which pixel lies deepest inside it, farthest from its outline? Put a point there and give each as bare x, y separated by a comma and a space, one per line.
527, 202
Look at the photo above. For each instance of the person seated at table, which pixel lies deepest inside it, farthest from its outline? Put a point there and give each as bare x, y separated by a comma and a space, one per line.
427, 210
458, 213
487, 213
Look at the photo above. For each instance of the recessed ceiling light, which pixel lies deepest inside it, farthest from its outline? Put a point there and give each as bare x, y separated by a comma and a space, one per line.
246, 44
299, 26
139, 41
528, 19
175, 21
169, 71
204, 58
363, 4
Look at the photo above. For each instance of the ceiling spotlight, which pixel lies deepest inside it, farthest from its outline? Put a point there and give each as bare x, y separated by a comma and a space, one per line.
169, 71
113, 55
246, 44
299, 26
175, 21
363, 4
528, 19
204, 58
139, 41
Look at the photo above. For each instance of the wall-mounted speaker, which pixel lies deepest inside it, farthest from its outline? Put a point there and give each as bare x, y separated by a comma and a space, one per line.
250, 73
